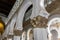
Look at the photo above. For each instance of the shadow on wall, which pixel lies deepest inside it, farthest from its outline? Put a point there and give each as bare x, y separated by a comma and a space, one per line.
54, 35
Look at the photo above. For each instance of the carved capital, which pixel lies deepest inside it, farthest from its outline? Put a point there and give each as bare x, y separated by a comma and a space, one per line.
39, 21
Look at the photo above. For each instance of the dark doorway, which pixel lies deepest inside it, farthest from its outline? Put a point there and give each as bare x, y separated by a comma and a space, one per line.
6, 6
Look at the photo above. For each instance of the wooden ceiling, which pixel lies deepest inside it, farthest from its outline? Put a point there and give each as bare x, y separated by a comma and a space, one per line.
53, 6
6, 6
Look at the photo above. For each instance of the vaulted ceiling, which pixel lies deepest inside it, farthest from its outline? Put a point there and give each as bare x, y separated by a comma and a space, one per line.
6, 6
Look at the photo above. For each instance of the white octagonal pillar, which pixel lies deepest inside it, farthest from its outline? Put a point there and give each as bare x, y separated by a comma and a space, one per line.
40, 34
